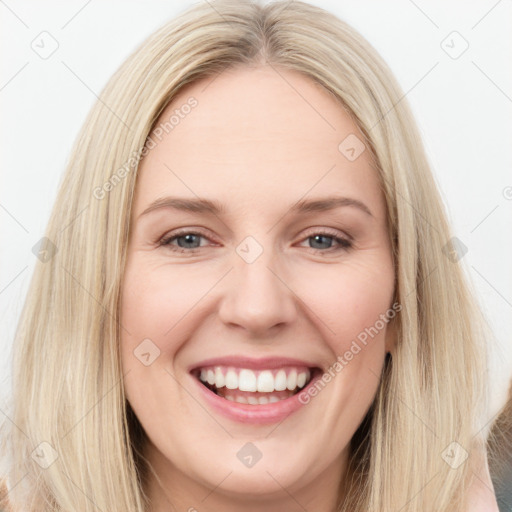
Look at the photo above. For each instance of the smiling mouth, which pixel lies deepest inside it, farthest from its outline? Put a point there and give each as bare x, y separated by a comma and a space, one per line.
255, 387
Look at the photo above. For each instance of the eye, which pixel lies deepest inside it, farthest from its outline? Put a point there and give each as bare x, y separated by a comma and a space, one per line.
187, 241
190, 241
327, 237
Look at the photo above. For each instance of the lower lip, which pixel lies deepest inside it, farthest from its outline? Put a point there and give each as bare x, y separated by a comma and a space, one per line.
245, 413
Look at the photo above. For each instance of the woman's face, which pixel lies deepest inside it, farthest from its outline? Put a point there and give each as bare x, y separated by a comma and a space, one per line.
262, 295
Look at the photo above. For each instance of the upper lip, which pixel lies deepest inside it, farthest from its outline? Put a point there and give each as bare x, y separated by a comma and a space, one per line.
262, 363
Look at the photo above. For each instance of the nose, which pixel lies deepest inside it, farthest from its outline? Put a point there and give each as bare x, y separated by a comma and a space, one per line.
257, 297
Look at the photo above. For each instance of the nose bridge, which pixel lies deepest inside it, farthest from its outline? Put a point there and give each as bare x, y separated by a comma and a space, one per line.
256, 297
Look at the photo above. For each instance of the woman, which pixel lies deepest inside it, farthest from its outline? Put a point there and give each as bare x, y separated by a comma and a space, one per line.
260, 369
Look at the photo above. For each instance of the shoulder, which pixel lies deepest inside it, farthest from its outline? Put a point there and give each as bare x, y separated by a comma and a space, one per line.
482, 497
4, 503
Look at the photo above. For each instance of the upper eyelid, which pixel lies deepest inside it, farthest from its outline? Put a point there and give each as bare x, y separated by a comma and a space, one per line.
331, 232
186, 231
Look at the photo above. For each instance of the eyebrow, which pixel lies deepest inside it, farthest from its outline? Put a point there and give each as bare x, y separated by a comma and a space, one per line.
201, 205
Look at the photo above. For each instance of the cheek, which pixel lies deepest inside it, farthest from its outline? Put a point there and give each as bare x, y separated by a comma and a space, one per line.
156, 301
350, 299
341, 300
357, 307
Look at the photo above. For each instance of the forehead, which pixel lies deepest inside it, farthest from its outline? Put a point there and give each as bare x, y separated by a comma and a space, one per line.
255, 135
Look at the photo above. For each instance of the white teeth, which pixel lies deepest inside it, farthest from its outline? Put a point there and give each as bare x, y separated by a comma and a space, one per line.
230, 398
280, 381
273, 399
220, 381
241, 399
231, 379
247, 380
301, 379
266, 382
252, 400
263, 400
291, 383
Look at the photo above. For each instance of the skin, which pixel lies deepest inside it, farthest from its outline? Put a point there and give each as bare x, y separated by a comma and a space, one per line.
257, 145
481, 496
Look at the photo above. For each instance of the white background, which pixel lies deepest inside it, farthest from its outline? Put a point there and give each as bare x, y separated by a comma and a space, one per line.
463, 107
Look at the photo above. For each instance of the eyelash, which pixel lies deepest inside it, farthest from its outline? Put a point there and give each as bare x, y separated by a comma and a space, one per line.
344, 244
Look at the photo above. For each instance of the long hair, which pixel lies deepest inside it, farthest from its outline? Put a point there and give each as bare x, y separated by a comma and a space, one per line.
68, 408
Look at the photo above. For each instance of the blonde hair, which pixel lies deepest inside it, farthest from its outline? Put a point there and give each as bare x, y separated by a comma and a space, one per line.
67, 377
